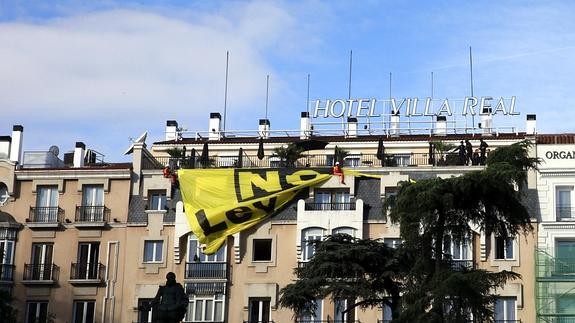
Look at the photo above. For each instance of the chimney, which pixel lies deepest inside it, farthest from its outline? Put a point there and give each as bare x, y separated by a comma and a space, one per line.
171, 130
531, 126
441, 125
264, 128
351, 127
305, 126
215, 124
79, 153
394, 127
5, 147
16, 146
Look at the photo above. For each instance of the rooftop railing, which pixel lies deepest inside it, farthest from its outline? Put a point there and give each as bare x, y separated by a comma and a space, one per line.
343, 206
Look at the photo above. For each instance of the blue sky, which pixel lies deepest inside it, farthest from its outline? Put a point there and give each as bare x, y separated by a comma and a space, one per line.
104, 71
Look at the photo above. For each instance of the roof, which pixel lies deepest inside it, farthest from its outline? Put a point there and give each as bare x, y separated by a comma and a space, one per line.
370, 138
564, 138
94, 167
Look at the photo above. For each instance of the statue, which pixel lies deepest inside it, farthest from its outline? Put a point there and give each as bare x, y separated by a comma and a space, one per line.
171, 302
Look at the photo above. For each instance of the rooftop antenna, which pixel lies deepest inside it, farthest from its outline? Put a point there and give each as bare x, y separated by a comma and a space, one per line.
431, 100
471, 82
226, 89
307, 102
267, 93
350, 66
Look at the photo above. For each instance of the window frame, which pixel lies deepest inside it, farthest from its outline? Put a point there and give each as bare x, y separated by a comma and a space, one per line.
309, 235
505, 301
85, 304
560, 208
262, 303
162, 200
154, 251
38, 315
508, 244
271, 245
191, 313
199, 256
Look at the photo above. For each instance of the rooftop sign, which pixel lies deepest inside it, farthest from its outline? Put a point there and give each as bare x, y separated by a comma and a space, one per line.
414, 107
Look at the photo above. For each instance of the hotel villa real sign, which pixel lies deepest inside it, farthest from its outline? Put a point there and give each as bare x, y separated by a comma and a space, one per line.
414, 107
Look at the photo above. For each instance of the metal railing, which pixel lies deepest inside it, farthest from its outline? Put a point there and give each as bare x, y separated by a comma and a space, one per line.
45, 214
329, 321
565, 213
253, 321
317, 160
87, 271
462, 264
92, 213
214, 270
6, 272
549, 266
43, 272
343, 206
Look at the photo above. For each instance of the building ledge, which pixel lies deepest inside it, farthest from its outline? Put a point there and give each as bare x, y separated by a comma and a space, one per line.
85, 281
39, 282
95, 224
43, 225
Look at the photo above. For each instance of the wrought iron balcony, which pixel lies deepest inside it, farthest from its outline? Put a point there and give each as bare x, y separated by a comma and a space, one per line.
44, 273
462, 264
330, 321
6, 273
565, 213
254, 321
45, 214
342, 206
206, 270
92, 214
87, 272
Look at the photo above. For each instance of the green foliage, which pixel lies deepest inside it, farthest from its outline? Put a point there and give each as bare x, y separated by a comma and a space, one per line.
7, 313
176, 152
288, 155
340, 154
345, 267
513, 162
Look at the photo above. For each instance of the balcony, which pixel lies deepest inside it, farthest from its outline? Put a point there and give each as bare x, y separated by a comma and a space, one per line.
87, 273
6, 273
462, 264
91, 216
40, 274
45, 217
206, 270
565, 213
343, 206
254, 321
319, 160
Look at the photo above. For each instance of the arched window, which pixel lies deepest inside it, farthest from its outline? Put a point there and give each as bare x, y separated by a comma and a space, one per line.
344, 230
308, 236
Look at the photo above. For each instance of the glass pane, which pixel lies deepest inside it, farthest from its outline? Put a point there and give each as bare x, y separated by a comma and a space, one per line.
199, 305
209, 309
456, 250
148, 251
159, 249
90, 312
31, 316
317, 313
254, 310
78, 312
509, 249
193, 251
499, 310
510, 309
219, 311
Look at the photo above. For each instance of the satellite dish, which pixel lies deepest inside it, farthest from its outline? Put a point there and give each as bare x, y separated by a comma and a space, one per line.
54, 150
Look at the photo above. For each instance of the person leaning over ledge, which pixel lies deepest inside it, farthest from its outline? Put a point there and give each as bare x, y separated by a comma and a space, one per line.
339, 172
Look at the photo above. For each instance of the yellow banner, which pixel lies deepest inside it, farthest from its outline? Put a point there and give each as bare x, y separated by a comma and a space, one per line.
222, 202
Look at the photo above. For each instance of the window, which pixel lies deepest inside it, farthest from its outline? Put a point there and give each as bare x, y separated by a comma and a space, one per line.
351, 161
344, 230
88, 261
565, 256
329, 199
206, 309
195, 253
41, 262
157, 201
308, 237
565, 308
402, 159
92, 203
36, 311
340, 305
503, 248
458, 250
259, 310
387, 314
316, 315
505, 309
144, 310
392, 242
153, 250
84, 311
46, 204
563, 204
262, 250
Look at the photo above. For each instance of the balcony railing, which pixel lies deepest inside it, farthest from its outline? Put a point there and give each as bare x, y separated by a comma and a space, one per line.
330, 321
319, 160
462, 264
343, 206
254, 321
92, 213
549, 267
87, 271
565, 213
45, 214
206, 270
47, 272
6, 272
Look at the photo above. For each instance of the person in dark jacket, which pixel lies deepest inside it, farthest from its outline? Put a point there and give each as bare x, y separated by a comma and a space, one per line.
469, 152
462, 157
482, 150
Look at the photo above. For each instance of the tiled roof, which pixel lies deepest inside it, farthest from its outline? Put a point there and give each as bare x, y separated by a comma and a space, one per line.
564, 138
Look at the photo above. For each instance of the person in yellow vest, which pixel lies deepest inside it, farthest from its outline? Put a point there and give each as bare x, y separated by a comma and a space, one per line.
339, 172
